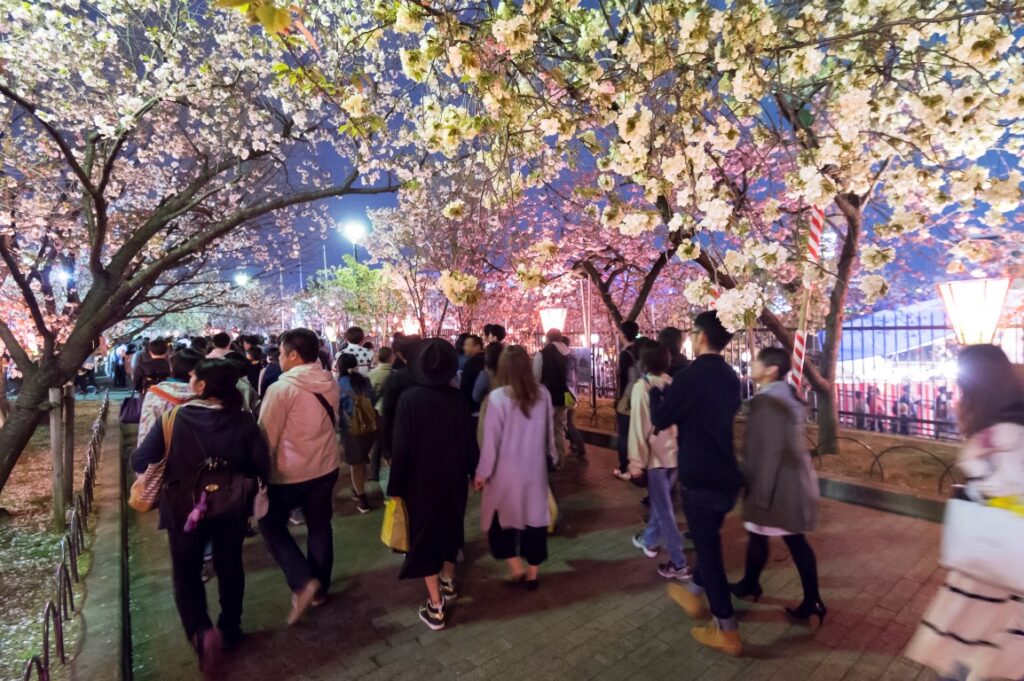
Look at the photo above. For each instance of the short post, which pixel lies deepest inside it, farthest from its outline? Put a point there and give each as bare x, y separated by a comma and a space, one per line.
57, 457
69, 442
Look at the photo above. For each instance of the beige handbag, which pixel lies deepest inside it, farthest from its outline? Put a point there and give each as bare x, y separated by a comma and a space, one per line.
145, 490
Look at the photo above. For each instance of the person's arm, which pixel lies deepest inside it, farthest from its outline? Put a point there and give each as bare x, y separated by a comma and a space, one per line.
639, 426
764, 447
401, 444
670, 407
494, 424
480, 386
625, 364
273, 415
150, 451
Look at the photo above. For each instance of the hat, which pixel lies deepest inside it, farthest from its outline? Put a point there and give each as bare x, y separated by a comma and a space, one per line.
433, 362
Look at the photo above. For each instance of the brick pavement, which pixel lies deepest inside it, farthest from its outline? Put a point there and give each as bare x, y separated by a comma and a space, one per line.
601, 612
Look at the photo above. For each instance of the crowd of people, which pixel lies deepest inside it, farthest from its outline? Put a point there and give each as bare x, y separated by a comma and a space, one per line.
432, 421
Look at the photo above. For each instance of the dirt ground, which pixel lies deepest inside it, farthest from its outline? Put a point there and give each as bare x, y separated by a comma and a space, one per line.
913, 464
30, 550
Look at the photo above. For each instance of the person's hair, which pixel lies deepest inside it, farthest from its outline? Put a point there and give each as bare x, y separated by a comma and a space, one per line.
496, 330
460, 343
554, 336
220, 377
199, 343
516, 371
403, 345
384, 355
857, 394
492, 353
671, 338
477, 340
240, 362
158, 346
183, 362
272, 339
221, 340
630, 330
991, 391
354, 335
655, 358
776, 357
273, 354
303, 341
368, 345
717, 335
347, 365
255, 353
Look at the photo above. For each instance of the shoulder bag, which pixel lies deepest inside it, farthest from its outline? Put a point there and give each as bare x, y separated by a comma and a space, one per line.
145, 490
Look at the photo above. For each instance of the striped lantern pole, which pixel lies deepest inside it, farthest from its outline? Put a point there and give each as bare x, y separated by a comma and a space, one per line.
796, 376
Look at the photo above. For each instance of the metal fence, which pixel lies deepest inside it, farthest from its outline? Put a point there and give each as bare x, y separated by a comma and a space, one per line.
896, 373
57, 612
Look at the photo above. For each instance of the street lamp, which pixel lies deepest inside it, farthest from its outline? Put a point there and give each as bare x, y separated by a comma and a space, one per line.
553, 318
242, 279
355, 231
974, 308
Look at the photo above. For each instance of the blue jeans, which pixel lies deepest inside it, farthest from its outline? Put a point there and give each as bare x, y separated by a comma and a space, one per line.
661, 526
316, 499
622, 440
705, 510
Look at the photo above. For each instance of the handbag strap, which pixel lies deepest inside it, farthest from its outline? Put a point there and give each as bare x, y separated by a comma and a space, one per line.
167, 421
328, 408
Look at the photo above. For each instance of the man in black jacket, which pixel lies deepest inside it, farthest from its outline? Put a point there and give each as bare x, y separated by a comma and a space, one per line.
626, 376
154, 367
551, 369
702, 402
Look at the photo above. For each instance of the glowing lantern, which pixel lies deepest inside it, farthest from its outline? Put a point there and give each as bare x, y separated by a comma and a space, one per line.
974, 308
553, 318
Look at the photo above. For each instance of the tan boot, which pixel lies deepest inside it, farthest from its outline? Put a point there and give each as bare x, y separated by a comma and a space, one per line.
710, 635
688, 601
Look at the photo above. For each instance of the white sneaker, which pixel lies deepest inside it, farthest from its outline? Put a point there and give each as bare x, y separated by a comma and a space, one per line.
638, 541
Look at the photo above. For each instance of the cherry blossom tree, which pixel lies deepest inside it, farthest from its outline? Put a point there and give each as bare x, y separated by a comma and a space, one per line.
145, 143
355, 294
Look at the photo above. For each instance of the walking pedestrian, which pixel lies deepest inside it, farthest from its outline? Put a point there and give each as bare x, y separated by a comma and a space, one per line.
973, 629
860, 410
627, 375
494, 333
170, 393
214, 426
221, 346
781, 487
272, 371
702, 401
358, 424
672, 338
429, 473
518, 442
655, 452
354, 336
254, 366
577, 446
486, 381
379, 375
551, 369
299, 415
154, 366
398, 381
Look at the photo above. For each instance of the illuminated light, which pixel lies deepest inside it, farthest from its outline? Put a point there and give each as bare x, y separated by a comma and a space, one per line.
595, 339
583, 339
354, 230
331, 332
553, 318
410, 326
62, 276
974, 308
242, 279
978, 273
688, 348
745, 356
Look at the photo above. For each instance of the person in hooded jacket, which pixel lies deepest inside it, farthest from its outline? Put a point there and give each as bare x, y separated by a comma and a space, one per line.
299, 415
551, 369
213, 425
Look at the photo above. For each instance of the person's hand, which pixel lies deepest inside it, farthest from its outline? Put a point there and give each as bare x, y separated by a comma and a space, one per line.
478, 484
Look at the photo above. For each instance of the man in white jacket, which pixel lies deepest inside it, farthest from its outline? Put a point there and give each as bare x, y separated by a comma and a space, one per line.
298, 416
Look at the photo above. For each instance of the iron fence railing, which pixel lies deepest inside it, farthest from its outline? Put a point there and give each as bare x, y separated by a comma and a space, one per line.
57, 612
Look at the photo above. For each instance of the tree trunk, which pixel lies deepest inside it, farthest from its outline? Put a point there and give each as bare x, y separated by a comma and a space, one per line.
22, 421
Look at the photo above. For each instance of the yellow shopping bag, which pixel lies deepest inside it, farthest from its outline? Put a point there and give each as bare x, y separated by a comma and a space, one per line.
553, 510
395, 530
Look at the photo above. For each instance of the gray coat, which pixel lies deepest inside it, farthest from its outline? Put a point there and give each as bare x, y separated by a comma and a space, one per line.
782, 488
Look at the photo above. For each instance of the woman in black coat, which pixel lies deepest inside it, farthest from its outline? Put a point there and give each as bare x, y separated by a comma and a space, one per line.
429, 472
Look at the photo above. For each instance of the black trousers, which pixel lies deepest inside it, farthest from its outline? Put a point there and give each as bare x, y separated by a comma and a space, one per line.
226, 535
803, 557
316, 499
530, 543
705, 511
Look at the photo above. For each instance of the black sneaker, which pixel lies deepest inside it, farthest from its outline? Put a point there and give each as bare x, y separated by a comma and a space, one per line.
435, 618
363, 504
448, 589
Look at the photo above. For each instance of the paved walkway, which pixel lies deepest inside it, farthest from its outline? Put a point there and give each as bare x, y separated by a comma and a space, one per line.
601, 611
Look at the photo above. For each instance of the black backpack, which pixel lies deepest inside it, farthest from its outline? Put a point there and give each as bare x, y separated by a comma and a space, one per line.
228, 493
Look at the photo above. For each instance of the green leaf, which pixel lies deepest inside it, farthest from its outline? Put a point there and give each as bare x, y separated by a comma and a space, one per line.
806, 118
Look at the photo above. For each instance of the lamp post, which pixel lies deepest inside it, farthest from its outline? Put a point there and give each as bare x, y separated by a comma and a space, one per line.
553, 318
974, 308
355, 231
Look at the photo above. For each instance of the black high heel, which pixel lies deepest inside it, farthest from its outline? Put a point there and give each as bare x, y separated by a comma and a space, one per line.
742, 591
806, 611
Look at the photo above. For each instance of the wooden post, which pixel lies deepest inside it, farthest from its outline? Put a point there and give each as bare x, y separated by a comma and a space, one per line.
57, 457
69, 443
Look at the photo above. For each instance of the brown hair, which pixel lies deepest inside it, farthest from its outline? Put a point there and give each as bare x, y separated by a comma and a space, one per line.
991, 391
516, 371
